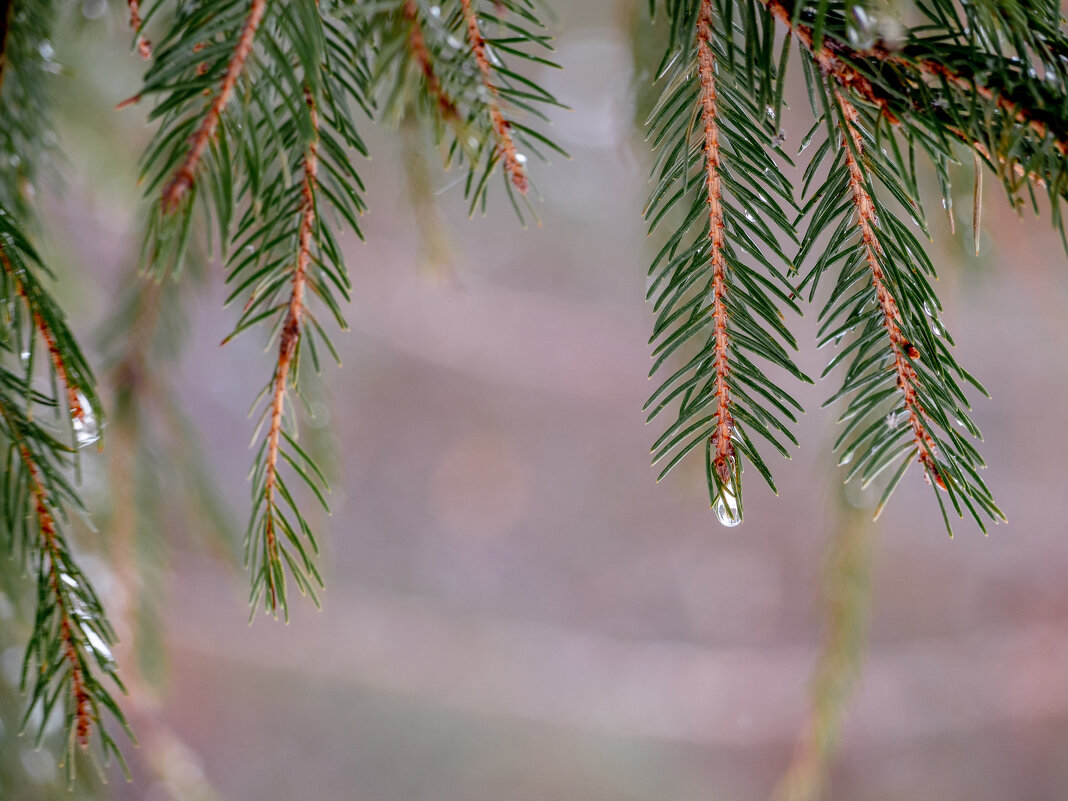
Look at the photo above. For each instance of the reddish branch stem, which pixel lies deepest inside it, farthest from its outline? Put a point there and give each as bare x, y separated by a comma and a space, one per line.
417, 45
144, 47
502, 129
291, 334
831, 58
77, 411
83, 714
903, 350
184, 177
706, 67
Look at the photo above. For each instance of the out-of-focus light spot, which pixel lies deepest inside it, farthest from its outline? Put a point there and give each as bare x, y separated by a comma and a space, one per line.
480, 487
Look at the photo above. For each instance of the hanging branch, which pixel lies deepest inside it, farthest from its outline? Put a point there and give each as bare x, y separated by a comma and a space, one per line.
712, 306
183, 178
70, 642
449, 66
419, 51
904, 352
286, 351
144, 47
905, 399
501, 127
723, 463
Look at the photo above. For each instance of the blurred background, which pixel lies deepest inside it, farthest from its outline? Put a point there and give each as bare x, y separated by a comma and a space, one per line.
514, 610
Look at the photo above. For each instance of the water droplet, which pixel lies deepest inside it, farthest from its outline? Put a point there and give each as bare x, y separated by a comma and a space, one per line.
97, 644
726, 505
86, 428
69, 580
46, 50
521, 158
895, 419
25, 355
861, 28
847, 457
435, 11
94, 9
452, 42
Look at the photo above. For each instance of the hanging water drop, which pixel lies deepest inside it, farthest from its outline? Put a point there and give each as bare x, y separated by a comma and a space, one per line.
728, 510
97, 644
86, 428
521, 158
861, 28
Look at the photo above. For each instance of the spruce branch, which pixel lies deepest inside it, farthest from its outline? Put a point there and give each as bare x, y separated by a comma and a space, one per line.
70, 644
711, 304
44, 318
144, 47
501, 126
290, 337
723, 463
904, 352
906, 402
183, 178
421, 53
449, 65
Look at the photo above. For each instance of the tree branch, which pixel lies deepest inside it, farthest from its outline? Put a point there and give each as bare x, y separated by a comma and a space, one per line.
184, 177
721, 437
417, 45
290, 336
501, 127
903, 350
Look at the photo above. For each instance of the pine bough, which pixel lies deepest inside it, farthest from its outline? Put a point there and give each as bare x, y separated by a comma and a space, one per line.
257, 146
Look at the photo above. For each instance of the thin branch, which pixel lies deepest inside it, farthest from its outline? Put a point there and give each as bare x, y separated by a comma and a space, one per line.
501, 127
903, 350
46, 526
290, 336
144, 47
184, 177
833, 58
721, 437
417, 45
74, 402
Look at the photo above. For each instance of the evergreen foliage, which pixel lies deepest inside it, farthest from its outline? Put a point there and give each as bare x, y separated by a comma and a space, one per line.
258, 105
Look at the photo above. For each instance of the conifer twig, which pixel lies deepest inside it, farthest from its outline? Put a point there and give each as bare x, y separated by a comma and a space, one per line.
83, 715
903, 350
184, 177
77, 410
501, 127
417, 44
833, 56
290, 338
144, 47
721, 436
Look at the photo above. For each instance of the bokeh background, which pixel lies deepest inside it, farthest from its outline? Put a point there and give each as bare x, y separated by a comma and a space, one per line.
514, 610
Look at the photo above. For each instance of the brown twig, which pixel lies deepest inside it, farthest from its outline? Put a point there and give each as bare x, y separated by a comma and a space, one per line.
144, 47
184, 177
83, 712
903, 350
501, 127
833, 57
74, 402
291, 335
417, 45
706, 67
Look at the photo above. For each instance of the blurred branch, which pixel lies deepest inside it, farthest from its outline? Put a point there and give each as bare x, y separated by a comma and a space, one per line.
847, 601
